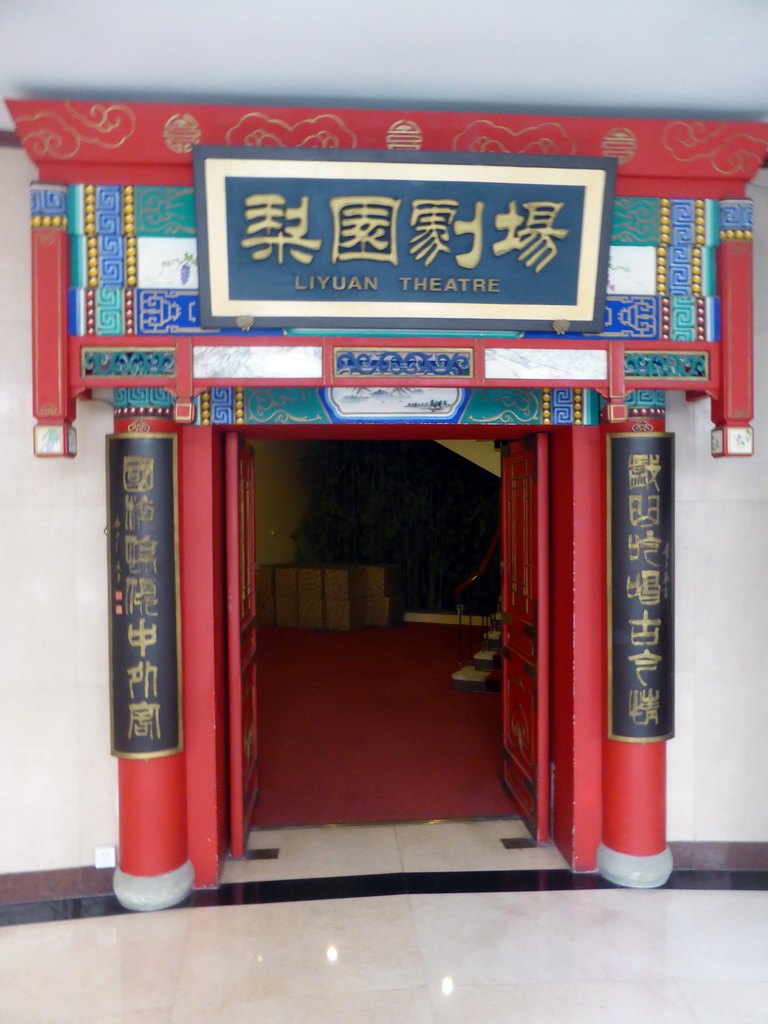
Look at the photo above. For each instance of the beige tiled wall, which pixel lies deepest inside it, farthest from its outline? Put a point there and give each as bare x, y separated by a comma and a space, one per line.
57, 779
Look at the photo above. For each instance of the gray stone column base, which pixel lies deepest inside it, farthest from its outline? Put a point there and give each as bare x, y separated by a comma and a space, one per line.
154, 892
634, 872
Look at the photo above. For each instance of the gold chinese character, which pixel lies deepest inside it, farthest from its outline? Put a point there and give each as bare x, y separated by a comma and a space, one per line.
644, 662
142, 636
268, 216
534, 238
144, 720
644, 631
644, 510
140, 551
138, 474
364, 228
431, 219
469, 260
644, 706
138, 510
646, 586
141, 595
145, 675
647, 546
643, 470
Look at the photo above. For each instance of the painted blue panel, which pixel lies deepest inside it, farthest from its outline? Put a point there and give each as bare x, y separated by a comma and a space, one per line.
176, 311
561, 408
736, 215
48, 200
222, 405
712, 315
394, 405
683, 222
399, 363
109, 209
76, 311
679, 270
111, 257
626, 316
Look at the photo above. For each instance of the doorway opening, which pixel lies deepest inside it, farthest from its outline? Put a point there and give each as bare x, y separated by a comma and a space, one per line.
365, 725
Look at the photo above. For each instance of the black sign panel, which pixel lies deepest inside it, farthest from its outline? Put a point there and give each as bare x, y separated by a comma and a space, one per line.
145, 652
640, 587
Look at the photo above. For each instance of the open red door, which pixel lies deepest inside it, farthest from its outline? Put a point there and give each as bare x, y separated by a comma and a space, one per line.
241, 639
525, 629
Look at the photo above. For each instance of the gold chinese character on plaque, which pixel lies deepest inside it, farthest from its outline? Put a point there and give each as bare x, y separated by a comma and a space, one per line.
142, 636
644, 706
648, 546
141, 595
138, 474
646, 661
140, 551
533, 235
643, 470
273, 227
644, 510
138, 510
646, 587
431, 220
143, 675
364, 228
144, 720
644, 632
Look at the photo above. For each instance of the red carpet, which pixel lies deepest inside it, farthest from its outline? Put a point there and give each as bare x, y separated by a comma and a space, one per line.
364, 726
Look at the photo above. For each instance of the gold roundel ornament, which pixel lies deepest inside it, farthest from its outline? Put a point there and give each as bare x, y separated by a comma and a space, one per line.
620, 143
181, 133
404, 135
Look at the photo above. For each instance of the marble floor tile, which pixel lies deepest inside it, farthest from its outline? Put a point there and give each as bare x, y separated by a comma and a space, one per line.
582, 956
143, 1017
239, 954
606, 935
577, 1003
380, 1006
89, 968
382, 849
471, 846
319, 853
717, 1002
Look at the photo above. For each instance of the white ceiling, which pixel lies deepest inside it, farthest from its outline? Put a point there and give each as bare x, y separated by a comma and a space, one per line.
700, 58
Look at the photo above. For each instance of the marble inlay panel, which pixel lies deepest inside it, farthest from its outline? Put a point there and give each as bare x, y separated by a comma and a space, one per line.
167, 263
632, 270
265, 362
545, 364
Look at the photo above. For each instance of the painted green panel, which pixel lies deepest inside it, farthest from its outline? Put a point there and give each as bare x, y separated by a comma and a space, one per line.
284, 405
164, 211
635, 221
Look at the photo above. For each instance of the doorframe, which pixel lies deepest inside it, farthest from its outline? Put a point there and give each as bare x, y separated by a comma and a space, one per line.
577, 631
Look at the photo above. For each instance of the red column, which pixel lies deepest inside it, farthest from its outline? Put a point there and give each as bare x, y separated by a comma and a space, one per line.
154, 869
634, 850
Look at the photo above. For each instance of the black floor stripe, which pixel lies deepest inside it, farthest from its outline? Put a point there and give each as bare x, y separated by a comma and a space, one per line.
361, 886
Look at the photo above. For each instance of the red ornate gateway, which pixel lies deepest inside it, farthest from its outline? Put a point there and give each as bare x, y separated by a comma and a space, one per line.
125, 268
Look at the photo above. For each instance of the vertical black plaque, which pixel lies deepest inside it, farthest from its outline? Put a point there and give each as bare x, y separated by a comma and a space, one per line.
640, 587
145, 652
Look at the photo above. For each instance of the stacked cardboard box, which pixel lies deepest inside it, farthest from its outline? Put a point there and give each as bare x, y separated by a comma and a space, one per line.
336, 597
344, 596
383, 599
